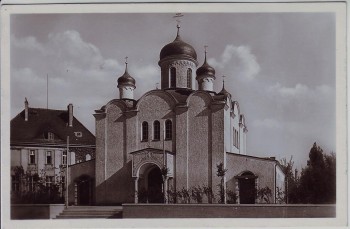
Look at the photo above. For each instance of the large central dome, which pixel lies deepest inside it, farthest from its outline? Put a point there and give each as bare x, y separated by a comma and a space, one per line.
178, 47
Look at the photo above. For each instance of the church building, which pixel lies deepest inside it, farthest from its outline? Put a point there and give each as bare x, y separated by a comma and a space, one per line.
173, 138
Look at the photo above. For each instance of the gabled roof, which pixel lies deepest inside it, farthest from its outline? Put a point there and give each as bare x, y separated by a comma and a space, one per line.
41, 121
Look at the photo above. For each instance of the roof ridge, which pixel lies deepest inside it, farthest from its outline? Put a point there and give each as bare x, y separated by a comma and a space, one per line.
38, 108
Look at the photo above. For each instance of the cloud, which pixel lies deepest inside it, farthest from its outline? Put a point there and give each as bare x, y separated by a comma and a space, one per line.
27, 43
300, 91
78, 74
238, 61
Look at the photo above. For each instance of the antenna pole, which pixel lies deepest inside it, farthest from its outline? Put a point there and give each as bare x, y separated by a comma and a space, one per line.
67, 183
47, 91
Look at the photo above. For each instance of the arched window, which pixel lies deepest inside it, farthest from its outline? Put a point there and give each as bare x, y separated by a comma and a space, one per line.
144, 131
87, 157
168, 129
156, 130
234, 136
189, 78
172, 77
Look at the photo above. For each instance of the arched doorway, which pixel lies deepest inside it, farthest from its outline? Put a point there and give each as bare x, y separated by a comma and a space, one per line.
83, 190
247, 189
150, 184
155, 182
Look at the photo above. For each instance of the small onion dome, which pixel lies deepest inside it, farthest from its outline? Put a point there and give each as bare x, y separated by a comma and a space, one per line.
206, 69
126, 79
178, 47
223, 90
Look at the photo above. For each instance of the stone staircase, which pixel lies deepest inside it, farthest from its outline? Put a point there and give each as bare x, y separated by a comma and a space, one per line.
91, 212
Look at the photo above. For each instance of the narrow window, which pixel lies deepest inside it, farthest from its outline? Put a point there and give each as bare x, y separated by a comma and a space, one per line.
168, 129
172, 77
238, 139
234, 136
48, 158
15, 183
189, 78
63, 183
156, 130
51, 136
64, 157
144, 131
32, 183
32, 157
49, 181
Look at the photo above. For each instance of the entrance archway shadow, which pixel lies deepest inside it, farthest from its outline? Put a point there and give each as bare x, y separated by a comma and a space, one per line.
150, 184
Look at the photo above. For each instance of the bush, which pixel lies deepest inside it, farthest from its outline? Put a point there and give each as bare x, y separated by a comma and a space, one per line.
231, 197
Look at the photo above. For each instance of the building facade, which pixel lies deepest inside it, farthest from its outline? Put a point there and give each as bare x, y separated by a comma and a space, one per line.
39, 146
173, 138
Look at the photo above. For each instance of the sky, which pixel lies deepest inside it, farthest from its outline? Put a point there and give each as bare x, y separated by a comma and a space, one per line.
280, 67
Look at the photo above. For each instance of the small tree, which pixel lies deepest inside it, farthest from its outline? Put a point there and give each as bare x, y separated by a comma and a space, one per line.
264, 194
164, 171
231, 197
221, 171
197, 194
208, 191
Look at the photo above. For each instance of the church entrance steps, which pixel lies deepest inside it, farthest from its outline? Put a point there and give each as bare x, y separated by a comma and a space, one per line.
85, 212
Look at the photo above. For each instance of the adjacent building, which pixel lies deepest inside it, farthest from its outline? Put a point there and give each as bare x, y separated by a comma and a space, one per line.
39, 139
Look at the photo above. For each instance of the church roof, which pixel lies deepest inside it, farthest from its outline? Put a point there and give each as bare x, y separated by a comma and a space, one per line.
178, 47
41, 121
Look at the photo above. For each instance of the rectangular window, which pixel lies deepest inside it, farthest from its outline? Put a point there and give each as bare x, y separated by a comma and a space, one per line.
48, 157
32, 184
32, 157
51, 136
64, 157
49, 181
15, 183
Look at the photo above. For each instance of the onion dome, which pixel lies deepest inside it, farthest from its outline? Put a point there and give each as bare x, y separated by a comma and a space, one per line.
178, 47
223, 90
206, 69
126, 79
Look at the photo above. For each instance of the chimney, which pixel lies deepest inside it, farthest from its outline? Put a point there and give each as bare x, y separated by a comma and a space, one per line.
70, 113
26, 110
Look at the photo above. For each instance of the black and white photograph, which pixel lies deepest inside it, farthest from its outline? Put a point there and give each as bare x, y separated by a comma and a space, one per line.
114, 113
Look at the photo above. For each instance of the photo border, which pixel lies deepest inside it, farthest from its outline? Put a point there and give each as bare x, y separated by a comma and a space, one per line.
339, 8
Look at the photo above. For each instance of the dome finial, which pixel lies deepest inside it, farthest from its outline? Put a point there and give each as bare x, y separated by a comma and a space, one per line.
223, 90
205, 53
126, 64
223, 82
177, 16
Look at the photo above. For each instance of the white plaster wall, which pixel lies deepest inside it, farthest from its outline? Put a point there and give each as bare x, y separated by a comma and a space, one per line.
207, 84
234, 124
228, 130
126, 92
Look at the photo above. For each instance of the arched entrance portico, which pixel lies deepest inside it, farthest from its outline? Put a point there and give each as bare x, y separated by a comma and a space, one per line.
150, 184
247, 187
152, 169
